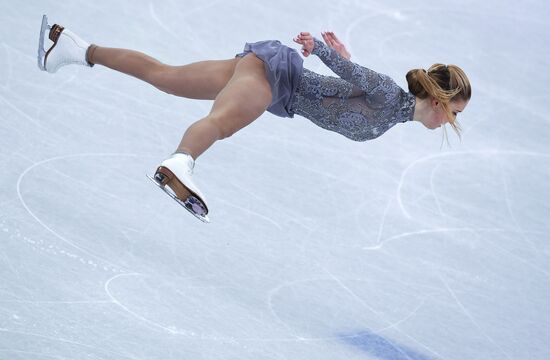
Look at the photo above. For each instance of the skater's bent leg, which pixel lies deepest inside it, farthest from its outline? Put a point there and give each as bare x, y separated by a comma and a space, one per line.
245, 97
201, 80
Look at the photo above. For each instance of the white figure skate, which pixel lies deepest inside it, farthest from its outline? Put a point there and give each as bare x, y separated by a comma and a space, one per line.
67, 48
174, 176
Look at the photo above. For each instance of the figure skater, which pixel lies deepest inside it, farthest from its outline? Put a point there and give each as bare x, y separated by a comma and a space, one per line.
360, 103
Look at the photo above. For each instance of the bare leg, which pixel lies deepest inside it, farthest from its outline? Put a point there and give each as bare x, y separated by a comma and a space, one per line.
200, 80
245, 97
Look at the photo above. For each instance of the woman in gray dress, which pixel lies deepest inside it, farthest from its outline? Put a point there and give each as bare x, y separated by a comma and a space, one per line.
360, 103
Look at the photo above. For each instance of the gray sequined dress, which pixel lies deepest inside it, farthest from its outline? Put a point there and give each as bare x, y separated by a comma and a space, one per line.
360, 104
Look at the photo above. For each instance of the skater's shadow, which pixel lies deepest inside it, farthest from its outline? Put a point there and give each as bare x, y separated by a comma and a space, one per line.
380, 347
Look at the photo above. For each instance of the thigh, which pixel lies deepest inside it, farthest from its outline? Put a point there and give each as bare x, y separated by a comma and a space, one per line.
202, 80
245, 97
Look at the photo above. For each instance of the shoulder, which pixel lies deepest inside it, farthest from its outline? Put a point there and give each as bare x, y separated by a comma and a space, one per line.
406, 103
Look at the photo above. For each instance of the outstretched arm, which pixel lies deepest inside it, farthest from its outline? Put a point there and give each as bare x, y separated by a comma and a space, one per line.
335, 56
333, 42
307, 41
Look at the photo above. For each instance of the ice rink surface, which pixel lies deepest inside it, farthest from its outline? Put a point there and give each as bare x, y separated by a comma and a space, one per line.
319, 247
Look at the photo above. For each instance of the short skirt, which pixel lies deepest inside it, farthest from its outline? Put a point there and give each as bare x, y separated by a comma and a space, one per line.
283, 67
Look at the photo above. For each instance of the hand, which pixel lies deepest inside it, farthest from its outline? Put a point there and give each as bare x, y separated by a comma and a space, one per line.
332, 41
306, 40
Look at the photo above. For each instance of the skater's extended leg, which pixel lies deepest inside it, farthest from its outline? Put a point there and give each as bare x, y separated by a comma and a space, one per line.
245, 97
200, 80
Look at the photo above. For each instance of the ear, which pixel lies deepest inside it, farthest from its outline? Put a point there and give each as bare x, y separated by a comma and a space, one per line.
435, 103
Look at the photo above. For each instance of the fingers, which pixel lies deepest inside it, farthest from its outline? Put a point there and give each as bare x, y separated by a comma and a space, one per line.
333, 35
306, 36
327, 39
303, 37
306, 40
330, 38
332, 41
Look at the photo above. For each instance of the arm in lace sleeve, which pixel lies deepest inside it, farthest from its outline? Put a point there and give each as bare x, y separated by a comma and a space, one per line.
360, 76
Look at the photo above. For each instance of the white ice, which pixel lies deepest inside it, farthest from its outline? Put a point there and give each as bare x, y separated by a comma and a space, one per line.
319, 247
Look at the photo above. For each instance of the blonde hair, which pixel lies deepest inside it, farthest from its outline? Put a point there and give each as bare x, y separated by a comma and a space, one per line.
444, 83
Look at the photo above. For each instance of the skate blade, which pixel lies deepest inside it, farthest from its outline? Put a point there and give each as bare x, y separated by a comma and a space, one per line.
186, 205
41, 50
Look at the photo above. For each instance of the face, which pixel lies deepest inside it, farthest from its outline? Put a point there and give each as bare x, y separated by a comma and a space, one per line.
438, 116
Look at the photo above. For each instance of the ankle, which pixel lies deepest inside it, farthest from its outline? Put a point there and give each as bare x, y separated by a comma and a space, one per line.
90, 54
185, 151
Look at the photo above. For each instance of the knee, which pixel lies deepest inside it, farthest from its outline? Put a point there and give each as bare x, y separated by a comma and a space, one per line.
157, 76
222, 125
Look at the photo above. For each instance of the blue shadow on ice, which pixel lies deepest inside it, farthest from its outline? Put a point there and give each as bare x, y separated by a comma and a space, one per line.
381, 347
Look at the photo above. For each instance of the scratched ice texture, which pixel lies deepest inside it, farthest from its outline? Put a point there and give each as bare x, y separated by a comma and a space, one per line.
319, 247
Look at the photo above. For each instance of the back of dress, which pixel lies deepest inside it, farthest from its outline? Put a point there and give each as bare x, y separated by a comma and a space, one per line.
360, 104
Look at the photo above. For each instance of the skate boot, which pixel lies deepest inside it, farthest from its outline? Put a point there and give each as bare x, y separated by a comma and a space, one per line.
67, 48
174, 176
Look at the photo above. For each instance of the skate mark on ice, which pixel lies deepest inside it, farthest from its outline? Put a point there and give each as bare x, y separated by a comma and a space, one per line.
252, 212
181, 15
506, 196
359, 222
406, 37
391, 325
137, 316
470, 316
411, 315
160, 23
515, 221
34, 355
333, 279
280, 210
45, 226
8, 66
172, 330
432, 188
53, 92
138, 101
423, 232
56, 302
22, 113
409, 167
465, 229
288, 284
515, 256
8, 261
20, 52
65, 341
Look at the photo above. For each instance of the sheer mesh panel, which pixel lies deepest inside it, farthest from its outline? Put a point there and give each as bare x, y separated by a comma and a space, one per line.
361, 104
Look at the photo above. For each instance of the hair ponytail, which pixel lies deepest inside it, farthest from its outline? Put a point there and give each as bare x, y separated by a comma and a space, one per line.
444, 83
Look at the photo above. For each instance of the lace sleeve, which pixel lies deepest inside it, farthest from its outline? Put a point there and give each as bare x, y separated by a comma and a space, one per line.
368, 80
